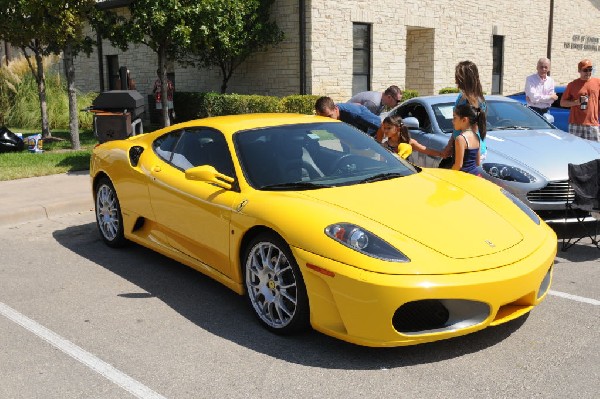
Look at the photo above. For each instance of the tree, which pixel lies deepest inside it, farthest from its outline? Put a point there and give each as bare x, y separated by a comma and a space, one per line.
162, 25
45, 27
69, 37
230, 31
25, 27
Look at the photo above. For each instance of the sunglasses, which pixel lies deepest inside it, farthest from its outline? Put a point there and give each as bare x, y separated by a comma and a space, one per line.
587, 69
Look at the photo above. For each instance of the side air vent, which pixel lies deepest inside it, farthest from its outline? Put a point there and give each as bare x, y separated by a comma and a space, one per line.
134, 154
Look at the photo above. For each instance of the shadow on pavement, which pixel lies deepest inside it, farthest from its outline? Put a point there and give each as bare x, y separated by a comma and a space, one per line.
222, 312
582, 251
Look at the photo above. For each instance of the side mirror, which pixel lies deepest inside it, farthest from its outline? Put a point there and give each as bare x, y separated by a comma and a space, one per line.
209, 174
411, 122
549, 117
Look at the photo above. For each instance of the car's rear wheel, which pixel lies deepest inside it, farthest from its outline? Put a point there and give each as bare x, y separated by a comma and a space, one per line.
274, 285
108, 214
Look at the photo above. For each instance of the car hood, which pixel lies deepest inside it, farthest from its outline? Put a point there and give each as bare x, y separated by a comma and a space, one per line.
546, 151
437, 214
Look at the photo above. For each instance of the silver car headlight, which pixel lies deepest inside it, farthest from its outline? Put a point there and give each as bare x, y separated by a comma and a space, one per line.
532, 215
364, 241
508, 173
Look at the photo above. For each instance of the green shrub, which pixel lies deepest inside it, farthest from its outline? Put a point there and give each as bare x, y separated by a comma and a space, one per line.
407, 94
447, 90
201, 105
255, 104
300, 104
84, 100
19, 99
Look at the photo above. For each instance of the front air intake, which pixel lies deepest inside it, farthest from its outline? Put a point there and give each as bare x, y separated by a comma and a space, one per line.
427, 314
439, 315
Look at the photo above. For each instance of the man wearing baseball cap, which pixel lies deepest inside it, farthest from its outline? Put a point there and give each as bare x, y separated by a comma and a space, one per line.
582, 95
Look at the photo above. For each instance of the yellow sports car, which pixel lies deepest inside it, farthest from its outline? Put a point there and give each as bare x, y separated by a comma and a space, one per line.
318, 225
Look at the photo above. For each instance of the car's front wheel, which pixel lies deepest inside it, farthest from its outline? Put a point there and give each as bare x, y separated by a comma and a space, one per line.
274, 285
108, 214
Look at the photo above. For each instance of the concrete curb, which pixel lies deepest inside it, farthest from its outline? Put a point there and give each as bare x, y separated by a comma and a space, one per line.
48, 211
45, 197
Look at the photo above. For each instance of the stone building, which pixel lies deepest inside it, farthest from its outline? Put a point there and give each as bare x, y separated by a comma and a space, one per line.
339, 48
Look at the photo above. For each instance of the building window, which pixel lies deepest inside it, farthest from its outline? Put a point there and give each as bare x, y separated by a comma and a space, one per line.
361, 66
498, 62
114, 80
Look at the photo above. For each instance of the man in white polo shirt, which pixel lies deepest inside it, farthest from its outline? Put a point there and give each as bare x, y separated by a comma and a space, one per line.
539, 88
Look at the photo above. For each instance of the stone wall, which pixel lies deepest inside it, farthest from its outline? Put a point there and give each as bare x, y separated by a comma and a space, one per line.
415, 44
402, 42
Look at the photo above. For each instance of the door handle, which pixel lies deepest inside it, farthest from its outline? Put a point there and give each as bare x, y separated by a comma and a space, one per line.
156, 168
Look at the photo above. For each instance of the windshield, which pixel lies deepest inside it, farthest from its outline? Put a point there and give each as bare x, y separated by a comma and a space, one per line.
501, 115
312, 156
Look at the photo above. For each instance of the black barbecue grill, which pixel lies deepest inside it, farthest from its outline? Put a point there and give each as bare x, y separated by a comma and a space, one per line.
117, 114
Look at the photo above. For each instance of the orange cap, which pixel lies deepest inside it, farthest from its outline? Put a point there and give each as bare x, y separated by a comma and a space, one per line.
584, 64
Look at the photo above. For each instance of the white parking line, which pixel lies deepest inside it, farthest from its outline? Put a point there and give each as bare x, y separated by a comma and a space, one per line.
124, 381
574, 297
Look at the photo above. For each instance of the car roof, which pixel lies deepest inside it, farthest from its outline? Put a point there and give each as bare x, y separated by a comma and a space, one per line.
444, 98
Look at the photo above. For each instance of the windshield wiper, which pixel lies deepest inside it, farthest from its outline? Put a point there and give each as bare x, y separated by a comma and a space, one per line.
299, 185
382, 176
515, 127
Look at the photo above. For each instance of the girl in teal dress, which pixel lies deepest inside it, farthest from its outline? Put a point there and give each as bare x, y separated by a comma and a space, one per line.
466, 76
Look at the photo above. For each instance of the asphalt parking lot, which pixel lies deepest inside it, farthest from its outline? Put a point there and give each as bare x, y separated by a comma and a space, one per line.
78, 319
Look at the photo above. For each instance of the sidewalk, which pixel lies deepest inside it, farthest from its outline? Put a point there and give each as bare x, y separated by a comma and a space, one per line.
35, 198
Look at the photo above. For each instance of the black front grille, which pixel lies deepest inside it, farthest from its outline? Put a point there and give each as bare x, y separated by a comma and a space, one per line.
556, 191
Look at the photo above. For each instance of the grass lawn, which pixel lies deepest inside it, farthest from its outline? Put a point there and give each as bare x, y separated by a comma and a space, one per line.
56, 158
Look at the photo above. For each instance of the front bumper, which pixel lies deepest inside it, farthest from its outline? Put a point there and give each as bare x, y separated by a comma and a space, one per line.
370, 309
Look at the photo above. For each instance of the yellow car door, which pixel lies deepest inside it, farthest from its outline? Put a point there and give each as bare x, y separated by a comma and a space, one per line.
195, 214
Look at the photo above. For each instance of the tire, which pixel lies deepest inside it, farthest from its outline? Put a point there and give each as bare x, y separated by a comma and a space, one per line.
108, 214
275, 289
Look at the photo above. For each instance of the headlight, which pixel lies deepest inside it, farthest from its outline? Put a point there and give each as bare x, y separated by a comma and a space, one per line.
364, 242
532, 215
508, 173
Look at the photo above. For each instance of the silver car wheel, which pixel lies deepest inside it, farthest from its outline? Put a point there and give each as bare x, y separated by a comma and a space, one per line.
272, 286
108, 214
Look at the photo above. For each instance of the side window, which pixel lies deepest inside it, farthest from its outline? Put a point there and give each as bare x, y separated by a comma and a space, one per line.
203, 147
164, 145
420, 113
416, 111
443, 116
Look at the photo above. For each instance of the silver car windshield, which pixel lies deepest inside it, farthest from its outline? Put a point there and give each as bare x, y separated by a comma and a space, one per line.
501, 115
313, 156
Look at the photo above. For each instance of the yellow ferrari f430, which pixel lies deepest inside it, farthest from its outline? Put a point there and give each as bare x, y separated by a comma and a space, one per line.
316, 224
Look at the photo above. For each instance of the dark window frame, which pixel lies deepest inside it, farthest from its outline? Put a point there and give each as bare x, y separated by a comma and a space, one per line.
498, 62
366, 51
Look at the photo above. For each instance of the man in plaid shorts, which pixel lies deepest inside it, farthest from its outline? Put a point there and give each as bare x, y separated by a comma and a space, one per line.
581, 95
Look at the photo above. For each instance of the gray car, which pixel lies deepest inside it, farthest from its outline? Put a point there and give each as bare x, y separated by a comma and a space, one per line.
526, 154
